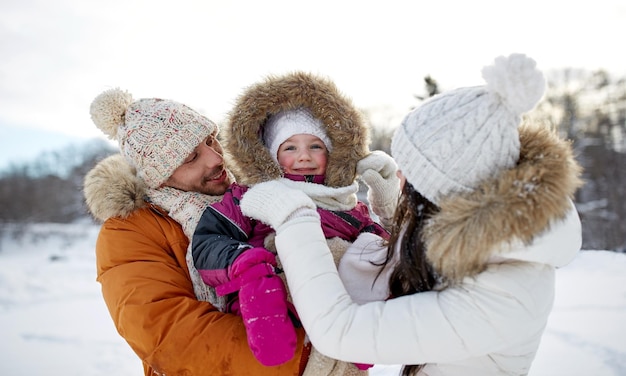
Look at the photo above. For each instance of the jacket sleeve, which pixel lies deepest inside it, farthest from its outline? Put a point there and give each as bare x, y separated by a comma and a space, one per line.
476, 318
363, 271
147, 289
216, 243
221, 235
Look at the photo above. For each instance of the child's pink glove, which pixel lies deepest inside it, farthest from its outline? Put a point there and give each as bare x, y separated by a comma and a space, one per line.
263, 306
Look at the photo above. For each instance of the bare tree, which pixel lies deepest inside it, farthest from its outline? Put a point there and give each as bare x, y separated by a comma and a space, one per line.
589, 108
49, 189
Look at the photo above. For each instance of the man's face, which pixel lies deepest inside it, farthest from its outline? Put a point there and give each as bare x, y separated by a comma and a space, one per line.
203, 171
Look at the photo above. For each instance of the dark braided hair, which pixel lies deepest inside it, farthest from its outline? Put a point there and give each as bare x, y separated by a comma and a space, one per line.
412, 273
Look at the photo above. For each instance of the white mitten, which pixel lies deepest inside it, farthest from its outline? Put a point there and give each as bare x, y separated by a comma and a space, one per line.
184, 207
273, 203
360, 266
378, 171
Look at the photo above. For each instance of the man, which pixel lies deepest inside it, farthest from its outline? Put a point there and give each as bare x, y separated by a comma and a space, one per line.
141, 252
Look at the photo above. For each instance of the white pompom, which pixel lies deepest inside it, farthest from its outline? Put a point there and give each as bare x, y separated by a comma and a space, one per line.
517, 81
108, 109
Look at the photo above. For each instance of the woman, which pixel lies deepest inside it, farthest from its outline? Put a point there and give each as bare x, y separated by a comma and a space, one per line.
484, 219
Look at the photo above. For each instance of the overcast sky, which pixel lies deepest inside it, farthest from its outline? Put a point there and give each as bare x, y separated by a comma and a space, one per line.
56, 56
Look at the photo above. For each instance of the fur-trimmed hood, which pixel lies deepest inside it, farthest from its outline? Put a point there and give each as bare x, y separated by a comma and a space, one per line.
112, 189
251, 162
505, 216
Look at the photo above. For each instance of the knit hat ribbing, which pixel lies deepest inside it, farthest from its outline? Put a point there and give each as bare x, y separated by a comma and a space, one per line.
284, 124
455, 140
155, 135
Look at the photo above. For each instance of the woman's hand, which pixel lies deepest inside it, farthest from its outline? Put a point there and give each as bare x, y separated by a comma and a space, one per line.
274, 203
379, 172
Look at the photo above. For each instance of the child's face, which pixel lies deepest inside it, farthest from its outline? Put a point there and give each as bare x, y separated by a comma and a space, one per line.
303, 154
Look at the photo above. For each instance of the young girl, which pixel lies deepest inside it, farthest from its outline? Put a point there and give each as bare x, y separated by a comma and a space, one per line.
484, 219
297, 127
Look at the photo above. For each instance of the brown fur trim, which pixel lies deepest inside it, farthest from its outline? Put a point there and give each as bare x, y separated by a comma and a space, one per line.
251, 161
519, 204
112, 189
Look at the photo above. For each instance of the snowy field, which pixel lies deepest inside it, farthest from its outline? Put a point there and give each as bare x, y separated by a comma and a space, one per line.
54, 322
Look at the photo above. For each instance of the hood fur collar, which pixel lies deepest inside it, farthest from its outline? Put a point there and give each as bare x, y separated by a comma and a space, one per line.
112, 189
251, 162
518, 205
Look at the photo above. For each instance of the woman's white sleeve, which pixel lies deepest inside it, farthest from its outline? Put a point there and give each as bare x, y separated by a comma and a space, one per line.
428, 327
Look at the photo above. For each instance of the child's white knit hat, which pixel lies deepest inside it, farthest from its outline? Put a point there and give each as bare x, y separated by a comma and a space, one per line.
284, 124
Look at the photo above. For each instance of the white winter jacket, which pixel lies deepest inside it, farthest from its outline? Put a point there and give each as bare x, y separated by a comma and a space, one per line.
491, 321
490, 324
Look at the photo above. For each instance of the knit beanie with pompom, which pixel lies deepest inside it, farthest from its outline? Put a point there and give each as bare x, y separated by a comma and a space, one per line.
456, 140
155, 135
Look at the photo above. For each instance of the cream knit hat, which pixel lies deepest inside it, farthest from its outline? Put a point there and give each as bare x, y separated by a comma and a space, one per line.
279, 127
455, 140
155, 135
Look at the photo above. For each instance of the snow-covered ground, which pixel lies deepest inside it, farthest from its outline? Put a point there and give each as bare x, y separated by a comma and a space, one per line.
53, 320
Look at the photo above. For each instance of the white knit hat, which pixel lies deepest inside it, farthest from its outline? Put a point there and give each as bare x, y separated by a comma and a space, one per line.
284, 124
456, 140
155, 135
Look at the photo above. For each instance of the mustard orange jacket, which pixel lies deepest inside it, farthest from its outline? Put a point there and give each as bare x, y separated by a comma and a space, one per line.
147, 289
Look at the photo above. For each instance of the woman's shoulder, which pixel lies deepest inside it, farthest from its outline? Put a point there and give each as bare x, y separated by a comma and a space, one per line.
557, 246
